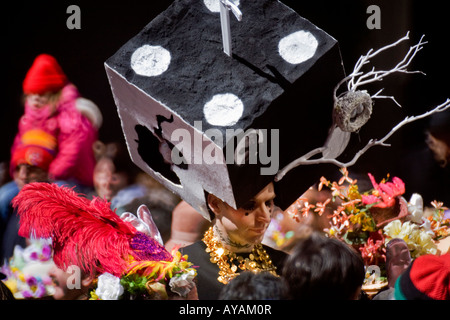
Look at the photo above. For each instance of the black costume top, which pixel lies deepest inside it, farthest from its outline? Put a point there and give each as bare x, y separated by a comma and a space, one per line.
208, 286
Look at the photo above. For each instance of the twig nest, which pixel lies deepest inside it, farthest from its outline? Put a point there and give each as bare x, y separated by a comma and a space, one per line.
352, 110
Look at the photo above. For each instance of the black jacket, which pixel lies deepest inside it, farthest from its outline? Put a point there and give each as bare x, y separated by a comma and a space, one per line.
208, 286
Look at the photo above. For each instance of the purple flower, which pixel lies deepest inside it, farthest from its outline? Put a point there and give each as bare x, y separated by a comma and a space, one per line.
34, 256
447, 214
40, 291
27, 294
32, 281
46, 253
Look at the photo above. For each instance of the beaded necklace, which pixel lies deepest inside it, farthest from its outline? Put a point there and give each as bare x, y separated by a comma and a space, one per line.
258, 260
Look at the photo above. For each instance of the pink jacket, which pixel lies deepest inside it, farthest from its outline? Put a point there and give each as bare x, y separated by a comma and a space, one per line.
75, 135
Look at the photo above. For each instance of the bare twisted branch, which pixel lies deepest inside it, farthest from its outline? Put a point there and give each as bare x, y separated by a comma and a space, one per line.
306, 159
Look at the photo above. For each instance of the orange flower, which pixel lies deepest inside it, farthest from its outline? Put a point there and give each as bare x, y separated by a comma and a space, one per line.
438, 205
351, 202
320, 207
306, 208
345, 177
323, 182
337, 190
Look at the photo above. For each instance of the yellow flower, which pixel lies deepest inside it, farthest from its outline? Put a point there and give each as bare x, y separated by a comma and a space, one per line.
407, 231
353, 193
21, 277
11, 284
332, 231
94, 296
364, 220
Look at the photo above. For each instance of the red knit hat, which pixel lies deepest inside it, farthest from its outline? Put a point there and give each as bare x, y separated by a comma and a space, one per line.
45, 75
427, 278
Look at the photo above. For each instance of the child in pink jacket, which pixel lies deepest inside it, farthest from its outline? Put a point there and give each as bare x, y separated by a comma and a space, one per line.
51, 105
54, 105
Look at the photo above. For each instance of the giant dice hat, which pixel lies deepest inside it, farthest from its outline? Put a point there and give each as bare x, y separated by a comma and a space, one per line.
182, 100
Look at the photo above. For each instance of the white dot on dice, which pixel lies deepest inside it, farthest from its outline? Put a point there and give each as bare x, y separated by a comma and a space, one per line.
298, 47
150, 61
223, 110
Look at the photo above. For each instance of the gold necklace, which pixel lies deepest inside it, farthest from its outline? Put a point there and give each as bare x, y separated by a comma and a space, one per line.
258, 260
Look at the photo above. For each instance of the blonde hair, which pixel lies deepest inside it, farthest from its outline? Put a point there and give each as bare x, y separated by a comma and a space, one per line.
53, 98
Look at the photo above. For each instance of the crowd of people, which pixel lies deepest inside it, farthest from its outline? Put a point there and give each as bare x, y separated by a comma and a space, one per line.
232, 257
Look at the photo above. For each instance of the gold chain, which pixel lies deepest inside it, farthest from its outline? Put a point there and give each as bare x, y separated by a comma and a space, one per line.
258, 260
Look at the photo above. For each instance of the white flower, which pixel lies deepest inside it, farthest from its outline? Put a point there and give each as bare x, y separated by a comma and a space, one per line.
393, 229
415, 208
424, 244
419, 241
426, 227
407, 230
183, 283
109, 287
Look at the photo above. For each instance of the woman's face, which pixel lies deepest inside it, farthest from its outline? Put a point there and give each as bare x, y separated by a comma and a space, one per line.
241, 229
70, 285
107, 181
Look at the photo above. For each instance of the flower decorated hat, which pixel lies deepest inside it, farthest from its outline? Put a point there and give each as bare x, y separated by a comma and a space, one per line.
121, 252
387, 230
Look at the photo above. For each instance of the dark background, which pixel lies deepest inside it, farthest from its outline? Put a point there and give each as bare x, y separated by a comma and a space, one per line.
29, 29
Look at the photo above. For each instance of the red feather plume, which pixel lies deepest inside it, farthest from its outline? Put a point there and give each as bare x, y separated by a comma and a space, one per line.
84, 233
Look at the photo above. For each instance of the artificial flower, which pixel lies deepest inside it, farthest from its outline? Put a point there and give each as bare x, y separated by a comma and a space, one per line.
353, 218
422, 244
320, 207
323, 182
426, 227
27, 270
373, 250
419, 241
345, 177
438, 205
397, 229
415, 208
364, 220
385, 192
157, 290
108, 287
353, 193
392, 229
306, 208
182, 284
337, 190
